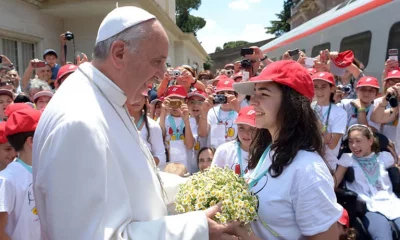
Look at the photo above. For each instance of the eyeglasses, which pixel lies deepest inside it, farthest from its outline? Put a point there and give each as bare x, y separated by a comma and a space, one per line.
195, 102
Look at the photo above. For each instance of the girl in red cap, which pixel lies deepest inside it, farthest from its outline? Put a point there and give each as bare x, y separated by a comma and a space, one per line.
150, 130
331, 117
235, 154
286, 171
179, 129
359, 110
371, 182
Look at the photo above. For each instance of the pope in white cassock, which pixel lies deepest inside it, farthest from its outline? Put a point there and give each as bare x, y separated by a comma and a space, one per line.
93, 177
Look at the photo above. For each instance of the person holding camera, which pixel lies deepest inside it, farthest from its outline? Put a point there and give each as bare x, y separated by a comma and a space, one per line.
178, 128
184, 76
252, 60
359, 110
42, 71
218, 123
386, 110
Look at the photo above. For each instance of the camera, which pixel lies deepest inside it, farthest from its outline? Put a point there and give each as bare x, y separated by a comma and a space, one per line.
69, 35
175, 103
245, 64
174, 73
345, 89
229, 72
392, 99
220, 99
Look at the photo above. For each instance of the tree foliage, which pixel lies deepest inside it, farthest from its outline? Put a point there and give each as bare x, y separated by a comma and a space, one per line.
218, 49
208, 64
186, 22
281, 26
234, 44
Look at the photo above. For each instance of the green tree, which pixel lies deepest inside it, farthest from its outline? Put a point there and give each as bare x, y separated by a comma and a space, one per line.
234, 44
218, 49
185, 21
281, 26
208, 64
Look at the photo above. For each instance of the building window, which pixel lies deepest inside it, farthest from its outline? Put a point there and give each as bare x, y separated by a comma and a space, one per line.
19, 53
394, 38
360, 44
316, 49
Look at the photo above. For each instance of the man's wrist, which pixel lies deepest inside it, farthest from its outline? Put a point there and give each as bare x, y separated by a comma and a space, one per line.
264, 58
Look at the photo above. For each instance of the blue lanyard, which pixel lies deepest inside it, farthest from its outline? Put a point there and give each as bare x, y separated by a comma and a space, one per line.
254, 176
325, 115
29, 168
173, 126
139, 124
230, 115
239, 154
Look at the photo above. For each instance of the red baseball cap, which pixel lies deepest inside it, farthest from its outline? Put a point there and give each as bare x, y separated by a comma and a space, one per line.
7, 92
15, 107
285, 72
43, 94
23, 120
3, 138
237, 75
247, 115
64, 70
393, 74
229, 65
176, 91
344, 59
225, 84
197, 93
325, 76
344, 219
368, 81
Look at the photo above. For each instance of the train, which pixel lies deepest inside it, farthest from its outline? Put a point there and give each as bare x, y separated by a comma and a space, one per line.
367, 27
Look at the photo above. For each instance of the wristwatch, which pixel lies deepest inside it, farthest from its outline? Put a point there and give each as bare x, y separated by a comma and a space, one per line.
264, 58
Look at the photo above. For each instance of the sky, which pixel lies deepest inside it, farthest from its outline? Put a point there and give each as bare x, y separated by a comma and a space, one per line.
233, 20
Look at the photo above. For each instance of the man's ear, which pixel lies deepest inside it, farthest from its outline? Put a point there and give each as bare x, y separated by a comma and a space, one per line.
117, 53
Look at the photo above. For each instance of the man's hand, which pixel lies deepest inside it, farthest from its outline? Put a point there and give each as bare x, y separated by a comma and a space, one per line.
233, 101
257, 55
243, 233
63, 40
218, 231
357, 104
390, 65
79, 61
207, 105
5, 60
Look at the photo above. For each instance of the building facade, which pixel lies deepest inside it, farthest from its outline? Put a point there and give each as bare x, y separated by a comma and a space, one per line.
304, 10
28, 27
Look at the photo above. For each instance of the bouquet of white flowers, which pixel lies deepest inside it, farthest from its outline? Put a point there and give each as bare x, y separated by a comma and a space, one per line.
218, 185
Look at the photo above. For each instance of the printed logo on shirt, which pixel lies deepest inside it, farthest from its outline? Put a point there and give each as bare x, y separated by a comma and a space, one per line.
229, 130
31, 202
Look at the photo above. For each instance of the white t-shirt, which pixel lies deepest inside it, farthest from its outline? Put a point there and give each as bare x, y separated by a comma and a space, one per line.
17, 199
155, 143
300, 202
336, 124
352, 114
216, 116
388, 129
181, 155
227, 155
379, 198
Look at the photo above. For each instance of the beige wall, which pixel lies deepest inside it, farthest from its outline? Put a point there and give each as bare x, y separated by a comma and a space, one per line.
23, 21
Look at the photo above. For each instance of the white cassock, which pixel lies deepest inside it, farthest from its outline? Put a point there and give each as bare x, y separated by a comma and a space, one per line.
93, 177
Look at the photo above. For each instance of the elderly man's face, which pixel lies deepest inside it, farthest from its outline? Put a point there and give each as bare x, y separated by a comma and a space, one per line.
44, 73
147, 62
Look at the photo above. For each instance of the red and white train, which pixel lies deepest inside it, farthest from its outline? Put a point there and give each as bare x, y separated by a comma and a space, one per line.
368, 27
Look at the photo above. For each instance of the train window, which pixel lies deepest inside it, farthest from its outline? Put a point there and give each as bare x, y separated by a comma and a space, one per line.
316, 49
394, 38
360, 44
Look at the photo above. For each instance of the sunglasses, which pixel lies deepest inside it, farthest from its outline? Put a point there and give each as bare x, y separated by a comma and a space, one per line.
7, 83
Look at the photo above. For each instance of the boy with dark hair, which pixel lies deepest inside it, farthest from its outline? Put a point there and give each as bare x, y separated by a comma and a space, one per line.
18, 215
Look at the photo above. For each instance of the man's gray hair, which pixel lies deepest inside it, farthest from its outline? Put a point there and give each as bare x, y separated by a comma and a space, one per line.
36, 83
131, 36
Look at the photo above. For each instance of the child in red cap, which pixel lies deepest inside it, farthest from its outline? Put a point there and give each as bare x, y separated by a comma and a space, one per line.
7, 153
177, 126
17, 203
